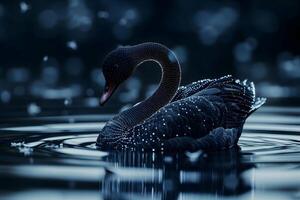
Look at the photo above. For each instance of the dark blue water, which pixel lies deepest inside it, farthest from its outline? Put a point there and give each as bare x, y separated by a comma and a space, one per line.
56, 157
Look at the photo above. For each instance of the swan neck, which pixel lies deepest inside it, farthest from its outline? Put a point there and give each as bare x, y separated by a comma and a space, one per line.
169, 83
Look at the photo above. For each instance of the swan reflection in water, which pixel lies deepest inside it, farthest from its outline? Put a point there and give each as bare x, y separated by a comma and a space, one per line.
160, 176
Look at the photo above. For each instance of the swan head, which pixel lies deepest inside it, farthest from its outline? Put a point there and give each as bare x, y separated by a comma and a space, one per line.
117, 67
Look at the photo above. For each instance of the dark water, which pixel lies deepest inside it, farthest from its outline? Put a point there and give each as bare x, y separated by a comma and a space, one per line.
56, 157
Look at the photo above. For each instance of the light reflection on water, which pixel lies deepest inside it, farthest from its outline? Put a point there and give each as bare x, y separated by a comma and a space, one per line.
61, 161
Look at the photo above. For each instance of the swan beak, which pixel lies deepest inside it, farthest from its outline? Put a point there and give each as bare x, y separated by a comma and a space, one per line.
108, 91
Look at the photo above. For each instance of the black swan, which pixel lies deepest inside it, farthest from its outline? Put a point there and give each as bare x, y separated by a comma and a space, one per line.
208, 114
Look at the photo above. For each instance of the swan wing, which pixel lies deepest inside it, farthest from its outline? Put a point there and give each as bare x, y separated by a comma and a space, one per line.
238, 97
211, 118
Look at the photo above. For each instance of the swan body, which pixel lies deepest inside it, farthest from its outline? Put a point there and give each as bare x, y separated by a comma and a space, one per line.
208, 114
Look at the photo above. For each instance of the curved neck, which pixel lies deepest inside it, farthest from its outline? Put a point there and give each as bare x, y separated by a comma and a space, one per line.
169, 83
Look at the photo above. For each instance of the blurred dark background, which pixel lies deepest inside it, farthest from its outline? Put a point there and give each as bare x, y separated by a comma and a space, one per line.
53, 49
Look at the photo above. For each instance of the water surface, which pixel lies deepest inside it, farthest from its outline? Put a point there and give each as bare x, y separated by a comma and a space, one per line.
56, 157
